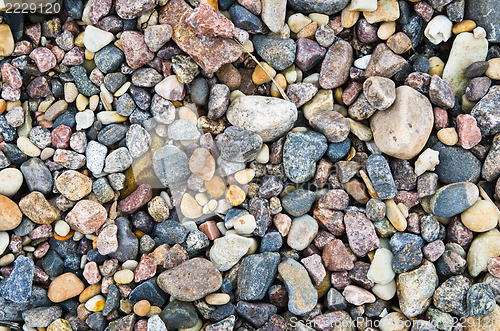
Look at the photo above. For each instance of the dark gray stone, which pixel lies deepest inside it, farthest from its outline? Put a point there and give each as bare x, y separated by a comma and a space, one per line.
83, 82
318, 6
109, 59
148, 290
244, 19
128, 244
37, 176
456, 164
17, 286
278, 53
257, 314
112, 300
337, 151
298, 203
486, 13
11, 311
255, 275
452, 199
381, 176
171, 232
238, 145
179, 315
487, 110
480, 300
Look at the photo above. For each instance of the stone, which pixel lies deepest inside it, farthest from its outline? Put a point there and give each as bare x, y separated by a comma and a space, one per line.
86, 216
480, 300
17, 286
381, 271
357, 296
228, 250
465, 50
486, 114
300, 153
302, 232
73, 185
326, 7
483, 247
399, 43
415, 289
191, 280
41, 316
64, 287
170, 165
255, 275
298, 203
335, 67
438, 30
245, 20
82, 81
206, 21
332, 124
95, 39
380, 92
249, 112
384, 62
12, 216
456, 165
450, 296
109, 59
278, 53
7, 45
127, 10
273, 14
475, 12
381, 176
132, 42
36, 207
359, 226
387, 11
411, 120
452, 199
210, 53
309, 54
302, 294
178, 314
481, 217
44, 59
238, 145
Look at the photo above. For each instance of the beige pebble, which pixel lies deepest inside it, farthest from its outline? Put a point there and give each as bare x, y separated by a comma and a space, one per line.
481, 217
348, 17
89, 55
427, 160
27, 147
394, 215
93, 102
201, 198
308, 31
361, 131
70, 92
263, 155
121, 91
130, 264
64, 287
141, 308
448, 136
244, 176
297, 22
322, 101
319, 18
245, 224
47, 153
386, 30
124, 276
110, 117
493, 70
187, 114
290, 74
215, 187
248, 46
81, 102
436, 66
7, 259
190, 207
281, 80
154, 310
62, 228
217, 299
89, 292
59, 325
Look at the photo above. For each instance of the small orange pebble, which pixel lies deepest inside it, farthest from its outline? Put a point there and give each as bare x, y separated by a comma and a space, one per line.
3, 105
177, 104
212, 3
66, 237
94, 243
138, 233
464, 26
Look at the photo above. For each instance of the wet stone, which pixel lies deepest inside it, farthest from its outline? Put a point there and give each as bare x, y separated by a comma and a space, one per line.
486, 113
245, 20
109, 59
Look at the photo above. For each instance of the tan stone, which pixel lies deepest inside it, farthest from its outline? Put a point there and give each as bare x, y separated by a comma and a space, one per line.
215, 187
235, 195
493, 70
403, 129
190, 207
481, 217
64, 287
202, 164
10, 215
387, 11
74, 185
6, 40
37, 208
260, 76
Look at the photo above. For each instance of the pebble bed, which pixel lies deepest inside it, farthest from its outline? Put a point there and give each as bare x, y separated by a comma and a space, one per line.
251, 165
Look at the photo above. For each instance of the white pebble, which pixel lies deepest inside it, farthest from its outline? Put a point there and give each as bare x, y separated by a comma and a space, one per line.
438, 30
110, 117
385, 292
47, 153
62, 228
4, 241
479, 33
428, 160
95, 303
380, 271
94, 39
130, 264
245, 224
70, 92
7, 259
263, 155
11, 180
362, 63
84, 119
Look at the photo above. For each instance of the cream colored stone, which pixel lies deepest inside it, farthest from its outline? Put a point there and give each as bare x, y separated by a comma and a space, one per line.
244, 176
190, 207
426, 161
27, 147
360, 130
297, 22
349, 17
124, 276
481, 217
448, 136
387, 11
485, 246
394, 215
386, 29
322, 101
437, 66
493, 70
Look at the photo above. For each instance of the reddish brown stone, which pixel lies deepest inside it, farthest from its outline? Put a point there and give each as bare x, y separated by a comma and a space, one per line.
146, 269
413, 221
433, 251
38, 88
131, 9
458, 233
282, 222
340, 280
336, 257
322, 172
440, 118
34, 32
424, 10
57, 51
43, 231
332, 220
209, 228
351, 92
336, 25
494, 266
334, 199
141, 325
254, 6
99, 9
136, 200
420, 81
91, 273
61, 136
44, 59
323, 238
96, 76
469, 133
278, 296
408, 198
360, 233
329, 321
209, 52
74, 57
22, 47
206, 21
357, 190
16, 243
136, 52
11, 76
41, 250
175, 256
71, 26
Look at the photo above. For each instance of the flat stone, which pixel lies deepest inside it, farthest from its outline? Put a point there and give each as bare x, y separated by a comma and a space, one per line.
381, 176
228, 250
36, 207
86, 216
302, 232
170, 165
410, 119
456, 165
336, 64
332, 124
298, 203
65, 286
301, 292
360, 233
191, 280
41, 316
12, 216
326, 7
485, 246
17, 286
278, 53
238, 145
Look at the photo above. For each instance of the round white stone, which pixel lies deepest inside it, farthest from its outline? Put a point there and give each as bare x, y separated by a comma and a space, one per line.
245, 224
84, 119
10, 181
94, 39
438, 29
380, 271
62, 228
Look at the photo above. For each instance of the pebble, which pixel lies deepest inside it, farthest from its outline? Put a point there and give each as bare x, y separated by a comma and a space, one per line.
480, 300
357, 296
298, 203
380, 92
41, 316
73, 185
248, 113
64, 287
384, 62
11, 181
179, 281
456, 165
37, 176
278, 53
17, 286
410, 107
256, 275
95, 39
300, 167
301, 292
302, 232
228, 250
381, 177
86, 216
37, 208
483, 247
357, 226
445, 203
381, 271
335, 67
489, 171
332, 124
